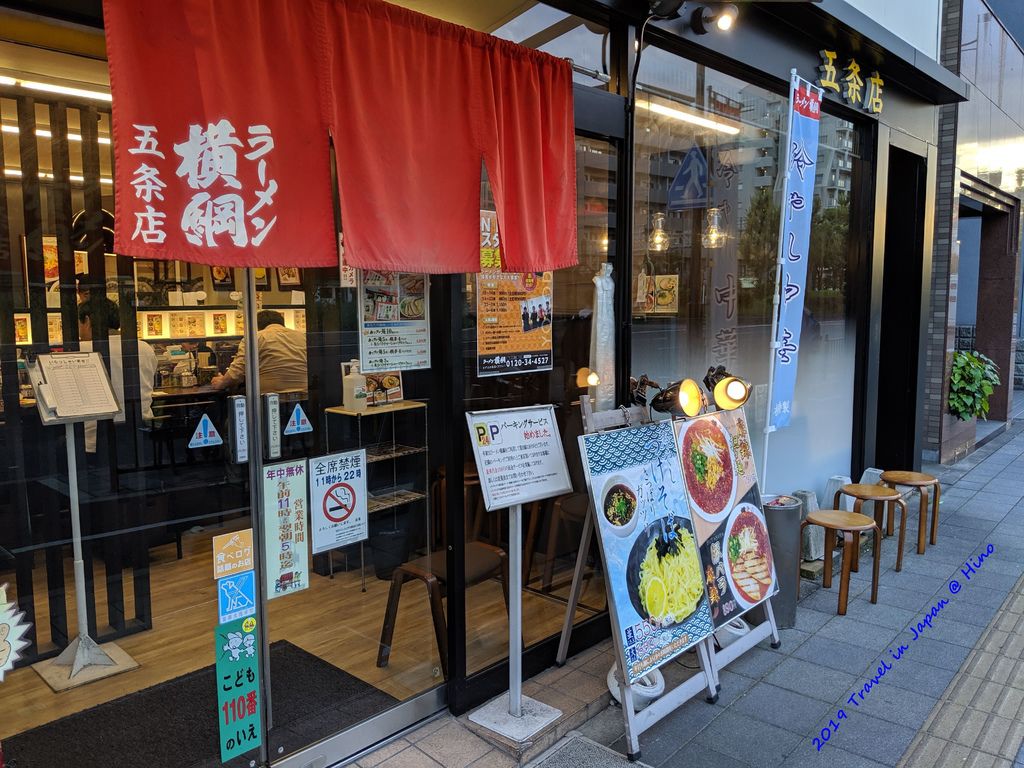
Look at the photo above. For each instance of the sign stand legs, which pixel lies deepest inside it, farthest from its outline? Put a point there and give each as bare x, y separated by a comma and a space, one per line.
766, 629
83, 651
575, 589
513, 715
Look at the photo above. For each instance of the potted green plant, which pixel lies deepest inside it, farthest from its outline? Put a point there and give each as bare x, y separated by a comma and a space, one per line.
971, 383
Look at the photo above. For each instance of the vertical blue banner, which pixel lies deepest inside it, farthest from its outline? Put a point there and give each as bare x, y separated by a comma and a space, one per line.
797, 205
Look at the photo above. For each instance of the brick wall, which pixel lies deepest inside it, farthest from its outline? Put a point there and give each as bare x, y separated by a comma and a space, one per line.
940, 339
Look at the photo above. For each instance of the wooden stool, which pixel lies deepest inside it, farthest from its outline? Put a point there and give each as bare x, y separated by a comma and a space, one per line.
851, 523
922, 483
880, 494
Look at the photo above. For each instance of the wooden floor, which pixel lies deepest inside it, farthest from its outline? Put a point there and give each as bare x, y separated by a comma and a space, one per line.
333, 619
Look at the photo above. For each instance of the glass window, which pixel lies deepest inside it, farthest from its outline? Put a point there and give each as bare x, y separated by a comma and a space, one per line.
705, 241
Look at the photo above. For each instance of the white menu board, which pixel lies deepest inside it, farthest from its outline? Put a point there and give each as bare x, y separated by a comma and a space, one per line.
284, 527
394, 321
519, 455
337, 491
71, 386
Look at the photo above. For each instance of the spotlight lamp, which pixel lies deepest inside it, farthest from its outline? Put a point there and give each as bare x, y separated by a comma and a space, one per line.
729, 392
719, 17
587, 378
682, 398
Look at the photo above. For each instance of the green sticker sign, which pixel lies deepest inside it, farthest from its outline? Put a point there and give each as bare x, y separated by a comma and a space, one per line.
237, 650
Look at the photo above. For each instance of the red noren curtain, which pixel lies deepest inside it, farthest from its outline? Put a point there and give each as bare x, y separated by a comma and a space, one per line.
237, 97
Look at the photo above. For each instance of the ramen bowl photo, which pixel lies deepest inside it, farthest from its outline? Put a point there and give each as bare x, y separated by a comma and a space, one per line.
663, 574
708, 468
748, 555
619, 506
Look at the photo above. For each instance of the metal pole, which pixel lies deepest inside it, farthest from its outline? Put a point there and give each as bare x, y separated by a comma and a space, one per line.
76, 532
255, 434
777, 297
515, 611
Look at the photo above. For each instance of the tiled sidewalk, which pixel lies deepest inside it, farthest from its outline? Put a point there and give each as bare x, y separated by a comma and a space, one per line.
955, 698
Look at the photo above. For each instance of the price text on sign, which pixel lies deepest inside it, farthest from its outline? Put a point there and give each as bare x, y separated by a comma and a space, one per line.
337, 485
237, 650
518, 454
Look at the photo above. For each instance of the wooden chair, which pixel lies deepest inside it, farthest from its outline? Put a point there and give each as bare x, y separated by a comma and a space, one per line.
882, 495
851, 523
922, 483
483, 562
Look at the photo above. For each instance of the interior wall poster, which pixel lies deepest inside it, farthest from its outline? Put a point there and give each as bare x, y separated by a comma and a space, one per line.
658, 603
513, 312
725, 502
394, 321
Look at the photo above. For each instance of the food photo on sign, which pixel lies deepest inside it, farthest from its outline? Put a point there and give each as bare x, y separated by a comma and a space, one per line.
725, 503
656, 579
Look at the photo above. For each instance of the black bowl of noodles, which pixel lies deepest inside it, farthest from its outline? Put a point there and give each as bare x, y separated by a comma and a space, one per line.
667, 551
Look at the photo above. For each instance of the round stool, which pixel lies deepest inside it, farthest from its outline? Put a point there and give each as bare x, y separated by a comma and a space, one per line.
881, 495
922, 483
851, 523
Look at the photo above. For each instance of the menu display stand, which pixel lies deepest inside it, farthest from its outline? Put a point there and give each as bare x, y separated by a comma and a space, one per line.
520, 459
73, 387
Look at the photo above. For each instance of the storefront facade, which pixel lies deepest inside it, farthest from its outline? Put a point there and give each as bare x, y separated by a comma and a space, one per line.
365, 639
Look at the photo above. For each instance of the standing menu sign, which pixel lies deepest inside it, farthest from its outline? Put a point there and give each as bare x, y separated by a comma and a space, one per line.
393, 321
513, 312
657, 599
725, 502
518, 454
337, 489
284, 527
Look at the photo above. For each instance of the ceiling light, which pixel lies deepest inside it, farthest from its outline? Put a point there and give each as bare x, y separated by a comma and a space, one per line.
43, 132
658, 240
714, 236
64, 90
721, 17
687, 117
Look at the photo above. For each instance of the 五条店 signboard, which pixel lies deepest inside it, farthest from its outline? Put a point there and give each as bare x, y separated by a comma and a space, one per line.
519, 455
337, 486
513, 312
284, 527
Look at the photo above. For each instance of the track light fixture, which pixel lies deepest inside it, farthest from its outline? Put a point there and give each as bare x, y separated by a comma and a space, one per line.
721, 17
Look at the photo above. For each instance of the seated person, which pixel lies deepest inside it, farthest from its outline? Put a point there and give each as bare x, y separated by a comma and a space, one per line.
282, 357
87, 311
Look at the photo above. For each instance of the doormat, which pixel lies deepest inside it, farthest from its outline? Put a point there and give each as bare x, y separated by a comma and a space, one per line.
576, 751
174, 724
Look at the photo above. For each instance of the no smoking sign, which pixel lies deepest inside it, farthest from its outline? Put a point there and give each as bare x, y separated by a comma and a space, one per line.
339, 502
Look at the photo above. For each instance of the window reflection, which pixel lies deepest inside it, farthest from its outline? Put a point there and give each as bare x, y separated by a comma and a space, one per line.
706, 223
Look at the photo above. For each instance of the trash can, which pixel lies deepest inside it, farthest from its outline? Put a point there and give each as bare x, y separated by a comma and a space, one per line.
782, 513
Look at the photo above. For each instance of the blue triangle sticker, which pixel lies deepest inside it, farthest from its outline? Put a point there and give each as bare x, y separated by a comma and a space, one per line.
205, 435
298, 422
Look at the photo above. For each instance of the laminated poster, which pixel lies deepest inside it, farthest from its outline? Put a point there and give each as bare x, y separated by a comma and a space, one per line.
393, 321
286, 536
658, 602
513, 312
725, 504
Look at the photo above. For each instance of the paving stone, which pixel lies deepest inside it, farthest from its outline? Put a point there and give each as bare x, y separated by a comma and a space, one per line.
666, 737
915, 676
845, 657
790, 639
733, 687
810, 620
381, 754
410, 758
987, 696
979, 730
757, 662
605, 727
899, 596
812, 679
698, 754
948, 630
933, 752
807, 755
888, 702
867, 635
967, 612
496, 758
918, 582
938, 654
751, 741
874, 738
453, 745
783, 708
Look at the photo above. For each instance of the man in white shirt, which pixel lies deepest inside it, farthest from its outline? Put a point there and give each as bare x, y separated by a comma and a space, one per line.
282, 357
89, 309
